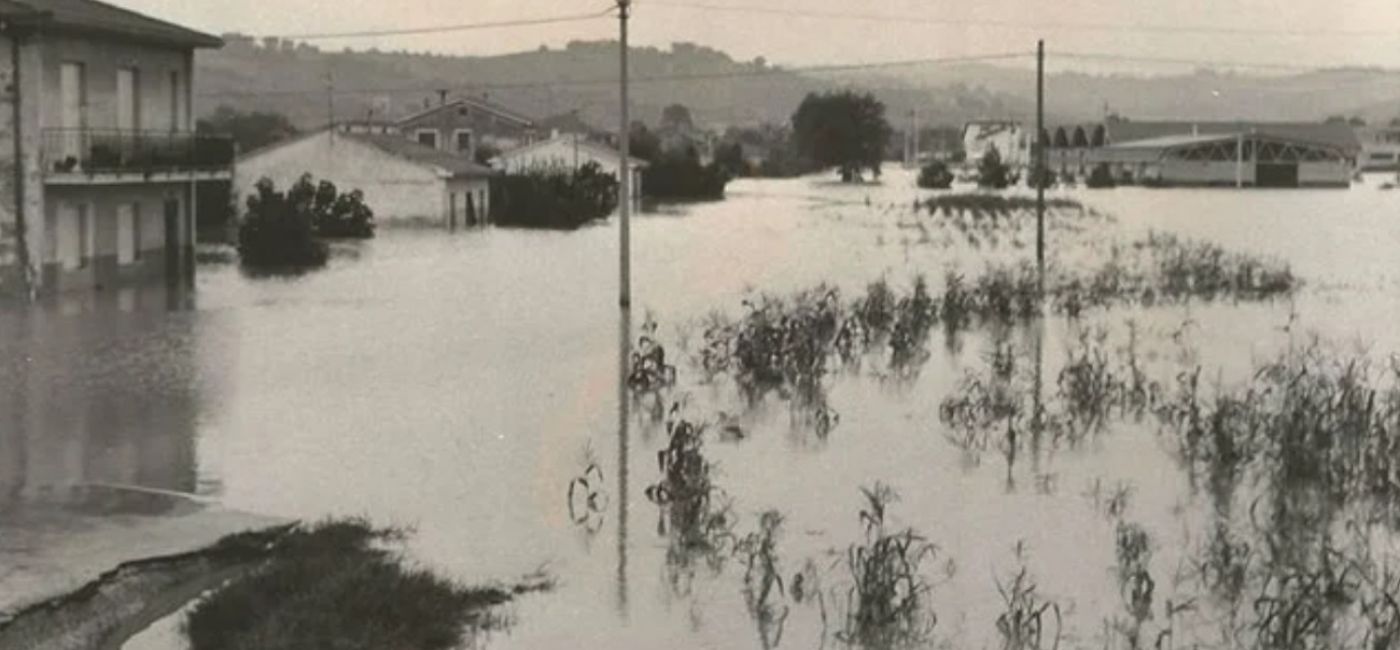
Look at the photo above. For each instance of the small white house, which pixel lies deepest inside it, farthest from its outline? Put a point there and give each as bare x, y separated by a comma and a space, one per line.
402, 180
1008, 137
568, 151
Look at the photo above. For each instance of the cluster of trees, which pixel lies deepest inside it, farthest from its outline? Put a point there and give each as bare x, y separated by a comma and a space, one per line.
845, 130
554, 197
285, 230
676, 172
250, 131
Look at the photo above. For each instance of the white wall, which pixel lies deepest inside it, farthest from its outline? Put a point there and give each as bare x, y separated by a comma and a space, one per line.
396, 189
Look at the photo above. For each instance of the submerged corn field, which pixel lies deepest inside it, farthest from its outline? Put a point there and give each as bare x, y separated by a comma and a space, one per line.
847, 416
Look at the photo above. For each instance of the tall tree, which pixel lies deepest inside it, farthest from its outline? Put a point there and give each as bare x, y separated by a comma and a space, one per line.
846, 130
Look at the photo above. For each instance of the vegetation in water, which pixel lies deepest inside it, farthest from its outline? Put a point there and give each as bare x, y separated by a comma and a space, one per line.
278, 231
887, 602
554, 197
336, 584
935, 176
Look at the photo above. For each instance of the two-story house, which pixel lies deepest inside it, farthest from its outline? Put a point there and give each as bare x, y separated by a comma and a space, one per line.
98, 158
465, 125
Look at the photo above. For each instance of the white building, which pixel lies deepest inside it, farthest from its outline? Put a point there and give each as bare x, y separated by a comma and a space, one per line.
1380, 148
402, 180
568, 151
1009, 137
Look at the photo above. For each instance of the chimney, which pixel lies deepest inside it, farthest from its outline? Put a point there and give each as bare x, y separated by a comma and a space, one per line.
442, 97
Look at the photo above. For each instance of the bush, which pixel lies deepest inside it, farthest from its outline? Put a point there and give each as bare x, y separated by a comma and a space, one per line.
935, 176
1047, 178
991, 172
278, 232
683, 177
554, 197
1100, 177
334, 214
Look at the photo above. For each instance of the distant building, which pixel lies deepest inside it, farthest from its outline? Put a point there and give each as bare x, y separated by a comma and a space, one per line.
98, 158
403, 181
1380, 148
570, 124
1008, 137
568, 152
1243, 154
462, 126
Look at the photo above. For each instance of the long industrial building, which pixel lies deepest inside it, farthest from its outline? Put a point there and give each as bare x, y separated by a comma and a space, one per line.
1228, 154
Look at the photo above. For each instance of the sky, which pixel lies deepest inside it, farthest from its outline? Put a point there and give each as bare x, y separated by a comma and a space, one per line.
819, 32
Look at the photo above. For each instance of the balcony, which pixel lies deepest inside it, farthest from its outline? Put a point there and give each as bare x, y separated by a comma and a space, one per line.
95, 156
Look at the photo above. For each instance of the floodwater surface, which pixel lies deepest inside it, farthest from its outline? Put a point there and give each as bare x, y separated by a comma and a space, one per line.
456, 383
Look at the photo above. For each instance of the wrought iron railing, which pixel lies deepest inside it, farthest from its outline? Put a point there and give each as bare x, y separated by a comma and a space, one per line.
94, 151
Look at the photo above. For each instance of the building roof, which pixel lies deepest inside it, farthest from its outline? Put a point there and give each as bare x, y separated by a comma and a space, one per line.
102, 18
596, 148
480, 104
1334, 135
397, 145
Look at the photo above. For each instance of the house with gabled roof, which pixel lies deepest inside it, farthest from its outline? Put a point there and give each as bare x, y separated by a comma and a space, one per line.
403, 181
464, 125
98, 157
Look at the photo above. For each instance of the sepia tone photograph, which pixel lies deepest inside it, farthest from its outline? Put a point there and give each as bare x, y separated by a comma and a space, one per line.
711, 324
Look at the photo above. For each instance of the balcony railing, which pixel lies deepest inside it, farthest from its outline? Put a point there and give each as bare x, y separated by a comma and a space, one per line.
92, 151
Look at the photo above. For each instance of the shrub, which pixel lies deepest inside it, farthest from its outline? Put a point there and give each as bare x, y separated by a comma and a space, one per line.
554, 197
278, 232
1100, 177
333, 214
683, 177
935, 176
991, 172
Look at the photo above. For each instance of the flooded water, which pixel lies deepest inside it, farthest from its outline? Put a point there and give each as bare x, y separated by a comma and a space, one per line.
456, 383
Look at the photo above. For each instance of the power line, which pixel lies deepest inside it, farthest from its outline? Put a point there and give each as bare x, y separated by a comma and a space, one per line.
699, 76
1132, 58
1013, 24
440, 29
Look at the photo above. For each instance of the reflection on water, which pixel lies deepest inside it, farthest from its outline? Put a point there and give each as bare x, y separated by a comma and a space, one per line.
450, 381
97, 392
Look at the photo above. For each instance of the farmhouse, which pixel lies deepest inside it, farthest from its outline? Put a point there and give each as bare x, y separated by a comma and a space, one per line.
568, 152
403, 181
465, 125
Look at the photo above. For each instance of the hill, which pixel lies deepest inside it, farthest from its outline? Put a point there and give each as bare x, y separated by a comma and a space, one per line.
292, 78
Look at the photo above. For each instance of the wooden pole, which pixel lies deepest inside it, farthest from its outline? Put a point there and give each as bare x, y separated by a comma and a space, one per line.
1040, 164
624, 172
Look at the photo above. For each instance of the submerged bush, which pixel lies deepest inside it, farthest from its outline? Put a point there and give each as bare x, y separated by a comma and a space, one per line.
554, 197
1100, 177
935, 176
278, 231
333, 585
681, 176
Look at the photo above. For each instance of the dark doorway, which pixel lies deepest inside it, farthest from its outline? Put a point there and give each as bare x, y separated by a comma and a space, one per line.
471, 208
1276, 175
172, 241
452, 210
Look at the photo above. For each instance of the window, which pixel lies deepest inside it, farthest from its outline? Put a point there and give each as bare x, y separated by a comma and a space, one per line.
128, 99
177, 102
427, 138
1382, 156
464, 141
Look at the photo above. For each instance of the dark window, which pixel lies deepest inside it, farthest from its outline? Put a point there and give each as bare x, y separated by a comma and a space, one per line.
428, 138
1382, 156
464, 141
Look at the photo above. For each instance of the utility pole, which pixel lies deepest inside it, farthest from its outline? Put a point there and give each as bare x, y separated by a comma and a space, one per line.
1039, 172
624, 174
625, 316
330, 100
